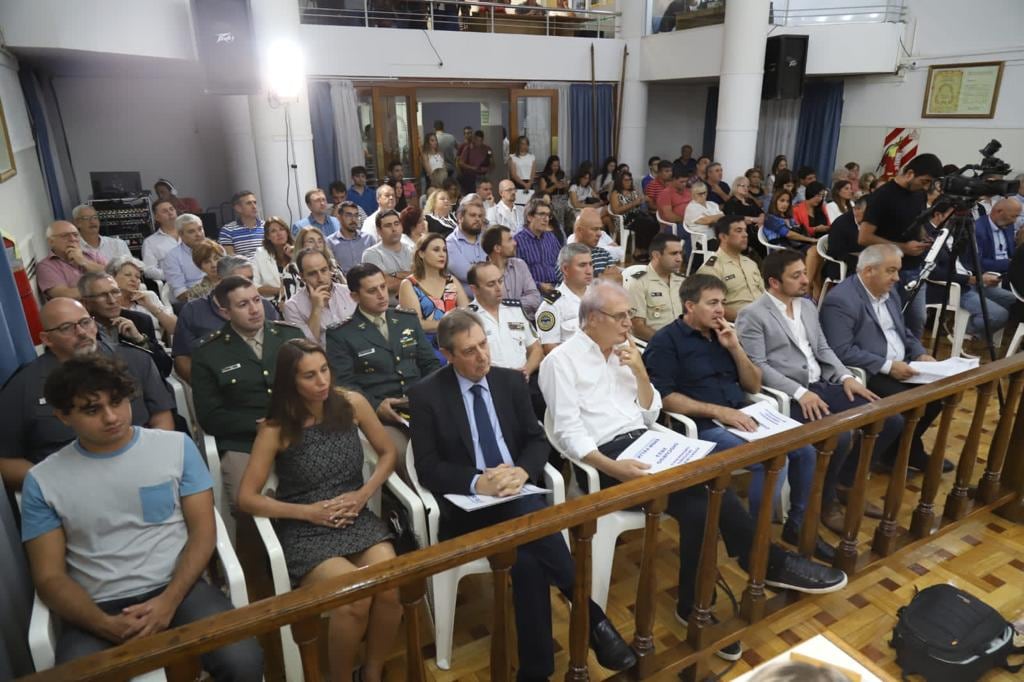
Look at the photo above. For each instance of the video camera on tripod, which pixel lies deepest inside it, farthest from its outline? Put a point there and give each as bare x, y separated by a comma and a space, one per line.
962, 191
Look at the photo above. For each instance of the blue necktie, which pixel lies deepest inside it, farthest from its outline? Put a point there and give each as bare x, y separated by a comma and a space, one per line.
484, 431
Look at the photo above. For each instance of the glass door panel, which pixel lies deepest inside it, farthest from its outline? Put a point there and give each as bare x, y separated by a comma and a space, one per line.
534, 113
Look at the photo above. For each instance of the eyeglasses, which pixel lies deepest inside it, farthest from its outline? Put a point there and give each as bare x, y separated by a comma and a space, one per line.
113, 295
542, 215
618, 317
85, 324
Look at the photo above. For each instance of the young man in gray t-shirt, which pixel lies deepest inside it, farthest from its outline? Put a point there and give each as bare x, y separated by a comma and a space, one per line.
119, 524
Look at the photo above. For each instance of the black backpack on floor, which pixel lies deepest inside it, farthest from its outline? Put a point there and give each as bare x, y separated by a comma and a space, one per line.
947, 635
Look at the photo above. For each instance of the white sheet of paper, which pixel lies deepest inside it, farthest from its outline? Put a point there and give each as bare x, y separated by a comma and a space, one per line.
474, 502
664, 450
933, 371
769, 421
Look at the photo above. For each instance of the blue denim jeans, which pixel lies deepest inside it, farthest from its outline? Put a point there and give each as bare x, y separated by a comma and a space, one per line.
999, 303
799, 471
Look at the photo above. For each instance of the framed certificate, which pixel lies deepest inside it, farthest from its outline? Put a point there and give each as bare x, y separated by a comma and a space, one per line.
962, 90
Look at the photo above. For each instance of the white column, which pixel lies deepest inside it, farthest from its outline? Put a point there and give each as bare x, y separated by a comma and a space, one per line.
274, 21
240, 161
633, 127
739, 88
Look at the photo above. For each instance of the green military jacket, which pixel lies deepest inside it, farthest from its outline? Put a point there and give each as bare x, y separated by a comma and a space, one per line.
377, 367
231, 387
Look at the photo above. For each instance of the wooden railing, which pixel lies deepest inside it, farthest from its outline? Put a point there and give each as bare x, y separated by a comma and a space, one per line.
998, 487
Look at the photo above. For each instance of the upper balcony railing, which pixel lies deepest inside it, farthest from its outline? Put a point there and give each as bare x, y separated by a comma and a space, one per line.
665, 15
569, 18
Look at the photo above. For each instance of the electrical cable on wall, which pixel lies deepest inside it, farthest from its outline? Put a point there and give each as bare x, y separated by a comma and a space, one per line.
288, 164
293, 166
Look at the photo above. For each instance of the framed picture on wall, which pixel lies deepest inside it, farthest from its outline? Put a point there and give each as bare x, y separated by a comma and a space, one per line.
962, 90
7, 167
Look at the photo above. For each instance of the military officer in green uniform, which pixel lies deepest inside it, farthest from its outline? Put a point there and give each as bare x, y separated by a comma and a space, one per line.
741, 275
233, 372
379, 351
654, 291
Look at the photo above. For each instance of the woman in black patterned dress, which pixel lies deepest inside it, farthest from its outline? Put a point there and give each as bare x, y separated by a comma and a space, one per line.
311, 440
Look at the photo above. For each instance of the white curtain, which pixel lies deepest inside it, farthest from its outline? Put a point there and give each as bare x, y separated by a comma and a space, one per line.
776, 131
347, 131
564, 132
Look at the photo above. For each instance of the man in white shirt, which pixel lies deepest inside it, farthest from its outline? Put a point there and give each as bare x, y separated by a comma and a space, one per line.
864, 325
87, 220
781, 334
558, 312
161, 242
602, 400
505, 212
386, 201
322, 302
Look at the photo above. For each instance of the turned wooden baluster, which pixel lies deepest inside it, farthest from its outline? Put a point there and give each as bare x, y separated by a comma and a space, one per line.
988, 487
1013, 471
412, 595
956, 501
887, 529
185, 670
923, 520
707, 572
846, 553
809, 530
647, 589
753, 601
579, 617
306, 634
502, 616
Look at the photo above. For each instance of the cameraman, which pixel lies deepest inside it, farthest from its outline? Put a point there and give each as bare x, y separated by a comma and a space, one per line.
890, 218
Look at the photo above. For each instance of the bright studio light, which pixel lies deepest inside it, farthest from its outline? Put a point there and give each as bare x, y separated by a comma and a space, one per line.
285, 71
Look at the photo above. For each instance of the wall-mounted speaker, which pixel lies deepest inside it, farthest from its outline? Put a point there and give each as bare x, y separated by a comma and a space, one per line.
785, 59
225, 45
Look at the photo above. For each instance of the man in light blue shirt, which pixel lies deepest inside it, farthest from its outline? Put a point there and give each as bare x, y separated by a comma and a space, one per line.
180, 271
464, 247
349, 242
319, 215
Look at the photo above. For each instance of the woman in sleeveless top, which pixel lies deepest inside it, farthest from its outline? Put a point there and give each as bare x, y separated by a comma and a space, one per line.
431, 291
311, 440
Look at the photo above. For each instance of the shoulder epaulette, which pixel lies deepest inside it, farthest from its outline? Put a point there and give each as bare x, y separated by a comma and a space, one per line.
639, 273
403, 311
553, 296
711, 261
513, 302
210, 337
474, 306
283, 323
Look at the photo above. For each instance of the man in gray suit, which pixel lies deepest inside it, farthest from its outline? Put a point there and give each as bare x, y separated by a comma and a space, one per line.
864, 325
781, 335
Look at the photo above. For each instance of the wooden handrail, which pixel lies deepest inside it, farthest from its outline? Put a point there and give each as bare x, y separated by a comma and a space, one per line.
410, 571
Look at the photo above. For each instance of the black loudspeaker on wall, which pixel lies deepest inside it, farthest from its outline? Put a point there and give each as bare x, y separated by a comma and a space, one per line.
225, 44
785, 58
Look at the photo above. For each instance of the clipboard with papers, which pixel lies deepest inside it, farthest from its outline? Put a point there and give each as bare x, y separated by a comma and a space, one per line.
666, 449
474, 502
927, 372
769, 422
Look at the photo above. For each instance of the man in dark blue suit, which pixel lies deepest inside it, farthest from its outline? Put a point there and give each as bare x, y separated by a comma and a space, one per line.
474, 431
995, 236
864, 325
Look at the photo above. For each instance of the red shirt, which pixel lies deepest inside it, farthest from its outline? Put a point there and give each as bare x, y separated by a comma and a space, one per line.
653, 191
673, 200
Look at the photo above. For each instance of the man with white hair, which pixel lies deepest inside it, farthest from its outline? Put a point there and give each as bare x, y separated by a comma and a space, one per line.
386, 201
864, 325
179, 269
58, 273
29, 430
505, 212
87, 220
601, 400
558, 312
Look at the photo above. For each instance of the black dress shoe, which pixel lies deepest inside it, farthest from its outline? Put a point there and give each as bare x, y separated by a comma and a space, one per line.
822, 550
919, 462
730, 652
611, 650
803, 575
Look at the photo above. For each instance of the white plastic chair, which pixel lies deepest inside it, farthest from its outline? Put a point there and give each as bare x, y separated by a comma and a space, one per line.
212, 455
183, 402
632, 270
425, 515
822, 247
698, 245
42, 629
767, 244
1018, 336
275, 553
625, 235
960, 316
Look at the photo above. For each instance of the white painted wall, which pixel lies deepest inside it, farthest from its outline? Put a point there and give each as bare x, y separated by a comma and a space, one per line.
675, 116
24, 204
161, 127
942, 32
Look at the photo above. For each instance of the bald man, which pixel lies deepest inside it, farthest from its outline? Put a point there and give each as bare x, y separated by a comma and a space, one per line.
995, 236
58, 273
589, 231
505, 212
29, 431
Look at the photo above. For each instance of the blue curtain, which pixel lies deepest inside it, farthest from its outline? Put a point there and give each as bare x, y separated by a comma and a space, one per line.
710, 121
581, 108
31, 88
15, 341
817, 135
325, 146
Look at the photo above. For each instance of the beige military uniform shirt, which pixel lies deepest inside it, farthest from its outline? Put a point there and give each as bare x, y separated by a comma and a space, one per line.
653, 299
742, 277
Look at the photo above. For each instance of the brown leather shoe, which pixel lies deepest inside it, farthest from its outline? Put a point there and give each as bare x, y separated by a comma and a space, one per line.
834, 518
871, 510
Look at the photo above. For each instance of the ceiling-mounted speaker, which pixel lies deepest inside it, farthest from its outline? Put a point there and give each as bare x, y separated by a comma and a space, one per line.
785, 60
225, 46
